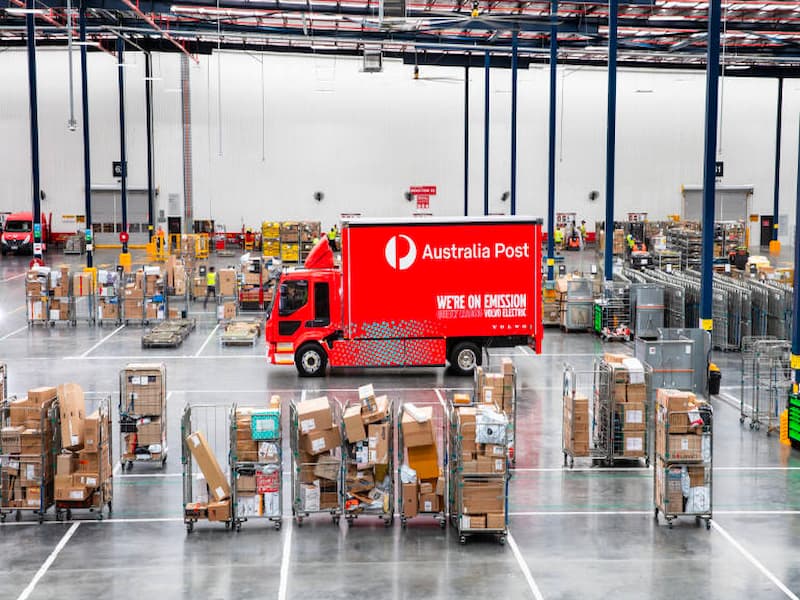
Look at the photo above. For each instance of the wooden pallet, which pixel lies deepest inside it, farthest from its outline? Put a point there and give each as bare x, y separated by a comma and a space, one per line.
241, 332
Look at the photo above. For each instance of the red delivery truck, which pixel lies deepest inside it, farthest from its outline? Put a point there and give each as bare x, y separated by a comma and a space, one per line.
411, 293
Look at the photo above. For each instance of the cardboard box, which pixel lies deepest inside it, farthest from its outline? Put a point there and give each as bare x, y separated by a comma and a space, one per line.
227, 282
314, 415
418, 434
697, 476
615, 358
494, 450
245, 484
149, 433
410, 500
619, 392
633, 443
91, 432
466, 416
310, 496
66, 464
378, 435
425, 487
92, 462
429, 503
11, 439
632, 415
462, 399
440, 485
473, 521
480, 497
219, 511
685, 446
30, 472
678, 422
674, 400
359, 480
469, 467
425, 461
72, 411
88, 480
353, 425
228, 311
328, 467
495, 521
381, 412
317, 442
41, 396
484, 464
20, 411
366, 396
636, 392
215, 478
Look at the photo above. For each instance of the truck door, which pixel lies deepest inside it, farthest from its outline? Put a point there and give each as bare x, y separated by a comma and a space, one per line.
292, 307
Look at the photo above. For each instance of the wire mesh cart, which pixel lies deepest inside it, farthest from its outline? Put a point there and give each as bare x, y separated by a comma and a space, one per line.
37, 296
617, 429
369, 462
478, 484
143, 414
317, 460
423, 427
3, 381
108, 298
766, 382
612, 313
29, 441
498, 385
256, 463
684, 454
87, 485
205, 458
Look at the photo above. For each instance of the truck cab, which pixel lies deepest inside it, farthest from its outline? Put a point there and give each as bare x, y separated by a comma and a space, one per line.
17, 236
305, 317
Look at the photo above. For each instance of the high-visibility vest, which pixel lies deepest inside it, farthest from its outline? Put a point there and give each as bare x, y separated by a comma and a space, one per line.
331, 235
211, 278
558, 236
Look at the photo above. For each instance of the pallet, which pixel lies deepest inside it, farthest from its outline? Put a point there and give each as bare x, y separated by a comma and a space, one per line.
241, 332
168, 334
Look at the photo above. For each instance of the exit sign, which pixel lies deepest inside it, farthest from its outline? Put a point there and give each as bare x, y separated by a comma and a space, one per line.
425, 190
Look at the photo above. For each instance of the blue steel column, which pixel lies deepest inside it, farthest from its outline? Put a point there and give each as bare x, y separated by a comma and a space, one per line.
777, 185
34, 116
709, 181
551, 151
122, 157
611, 138
487, 66
795, 357
148, 103
514, 65
87, 170
466, 138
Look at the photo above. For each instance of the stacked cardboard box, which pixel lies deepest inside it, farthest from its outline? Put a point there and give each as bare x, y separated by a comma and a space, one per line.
318, 455
258, 458
368, 476
217, 506
618, 243
483, 458
37, 290
497, 388
629, 396
83, 467
144, 431
683, 454
227, 282
26, 475
576, 425
420, 494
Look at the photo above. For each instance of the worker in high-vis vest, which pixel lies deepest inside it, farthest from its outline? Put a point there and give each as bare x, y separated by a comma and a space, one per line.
558, 237
332, 238
211, 286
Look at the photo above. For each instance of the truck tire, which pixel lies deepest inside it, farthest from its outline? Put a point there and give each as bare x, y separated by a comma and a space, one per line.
464, 358
311, 360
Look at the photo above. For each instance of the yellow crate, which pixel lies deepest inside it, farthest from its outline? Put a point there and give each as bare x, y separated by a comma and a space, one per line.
271, 249
290, 252
270, 229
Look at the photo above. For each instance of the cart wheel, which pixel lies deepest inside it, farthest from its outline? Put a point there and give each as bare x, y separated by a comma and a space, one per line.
41, 518
163, 462
669, 523
110, 510
697, 521
502, 540
100, 516
741, 419
387, 522
189, 526
227, 524
708, 524
335, 519
571, 462
768, 432
350, 520
751, 425
18, 517
2, 517
238, 526
462, 539
656, 514
758, 426
299, 521
129, 465
278, 525
647, 462
565, 459
403, 522
69, 514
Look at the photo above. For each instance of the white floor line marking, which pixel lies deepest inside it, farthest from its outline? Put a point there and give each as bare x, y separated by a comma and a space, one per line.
524, 566
101, 342
48, 563
12, 278
757, 468
148, 475
16, 331
16, 310
287, 550
576, 513
754, 561
582, 469
208, 339
162, 357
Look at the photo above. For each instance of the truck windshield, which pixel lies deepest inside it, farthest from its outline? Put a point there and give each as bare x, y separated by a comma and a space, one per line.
18, 226
294, 295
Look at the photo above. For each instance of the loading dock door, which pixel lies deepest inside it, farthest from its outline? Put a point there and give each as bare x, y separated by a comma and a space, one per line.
107, 216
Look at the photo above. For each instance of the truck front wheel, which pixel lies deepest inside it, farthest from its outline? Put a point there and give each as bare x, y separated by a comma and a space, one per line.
464, 358
311, 360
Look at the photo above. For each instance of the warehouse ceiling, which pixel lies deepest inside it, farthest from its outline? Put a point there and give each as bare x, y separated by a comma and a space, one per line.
759, 38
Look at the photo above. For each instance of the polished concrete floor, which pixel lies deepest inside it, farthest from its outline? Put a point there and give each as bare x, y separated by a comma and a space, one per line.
585, 532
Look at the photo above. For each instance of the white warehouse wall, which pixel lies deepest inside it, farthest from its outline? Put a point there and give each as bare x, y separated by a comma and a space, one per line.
363, 138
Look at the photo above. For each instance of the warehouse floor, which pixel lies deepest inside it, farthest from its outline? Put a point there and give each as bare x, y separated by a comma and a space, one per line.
580, 533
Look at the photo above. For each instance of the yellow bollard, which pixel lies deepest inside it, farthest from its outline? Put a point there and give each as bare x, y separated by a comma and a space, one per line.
774, 247
785, 428
125, 261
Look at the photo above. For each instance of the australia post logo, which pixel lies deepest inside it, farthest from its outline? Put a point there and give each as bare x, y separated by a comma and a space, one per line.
400, 252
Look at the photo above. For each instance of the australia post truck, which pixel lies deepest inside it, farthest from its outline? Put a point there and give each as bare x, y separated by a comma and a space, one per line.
411, 293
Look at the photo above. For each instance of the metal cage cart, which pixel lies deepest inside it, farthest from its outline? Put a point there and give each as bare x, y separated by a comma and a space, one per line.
30, 439
61, 307
578, 314
143, 414
108, 298
647, 309
684, 452
92, 485
82, 291
422, 498
478, 483
205, 458
369, 463
766, 382
317, 462
502, 381
37, 296
256, 463
612, 313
